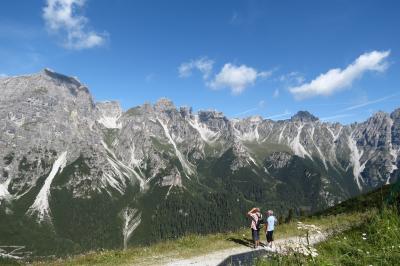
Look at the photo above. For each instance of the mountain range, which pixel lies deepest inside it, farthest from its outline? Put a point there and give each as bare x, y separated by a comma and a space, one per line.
76, 174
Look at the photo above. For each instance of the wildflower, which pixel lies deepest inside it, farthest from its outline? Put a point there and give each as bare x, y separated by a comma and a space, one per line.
344, 238
364, 234
364, 238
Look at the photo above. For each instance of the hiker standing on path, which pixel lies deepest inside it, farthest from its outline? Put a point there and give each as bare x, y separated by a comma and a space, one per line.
269, 228
255, 216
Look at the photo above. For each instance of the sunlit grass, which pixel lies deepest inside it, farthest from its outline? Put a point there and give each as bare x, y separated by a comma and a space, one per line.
375, 242
193, 245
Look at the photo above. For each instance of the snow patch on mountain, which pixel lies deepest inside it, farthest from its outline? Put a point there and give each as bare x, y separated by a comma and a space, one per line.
321, 155
355, 157
206, 134
334, 136
131, 220
252, 160
110, 121
281, 134
4, 193
181, 159
251, 135
40, 206
172, 180
120, 170
133, 161
296, 145
394, 155
109, 112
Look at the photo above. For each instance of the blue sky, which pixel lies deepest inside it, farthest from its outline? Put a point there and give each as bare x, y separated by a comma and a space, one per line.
337, 59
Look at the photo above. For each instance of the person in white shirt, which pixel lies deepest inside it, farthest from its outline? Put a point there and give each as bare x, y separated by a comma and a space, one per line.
269, 227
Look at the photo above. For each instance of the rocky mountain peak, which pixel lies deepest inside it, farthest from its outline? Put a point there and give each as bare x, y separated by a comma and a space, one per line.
395, 114
185, 111
110, 106
205, 115
254, 119
164, 104
304, 116
61, 77
109, 112
380, 115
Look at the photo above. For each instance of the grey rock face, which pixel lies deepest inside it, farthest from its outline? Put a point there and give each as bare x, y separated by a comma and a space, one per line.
109, 112
43, 115
278, 160
46, 114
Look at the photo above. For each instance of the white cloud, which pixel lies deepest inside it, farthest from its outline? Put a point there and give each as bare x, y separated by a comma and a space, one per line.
61, 17
338, 79
203, 64
236, 78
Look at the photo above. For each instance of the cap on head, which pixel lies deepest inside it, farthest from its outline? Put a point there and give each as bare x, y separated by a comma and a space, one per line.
270, 212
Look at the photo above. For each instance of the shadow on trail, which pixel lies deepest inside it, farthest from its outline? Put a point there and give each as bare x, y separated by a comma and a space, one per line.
242, 241
246, 258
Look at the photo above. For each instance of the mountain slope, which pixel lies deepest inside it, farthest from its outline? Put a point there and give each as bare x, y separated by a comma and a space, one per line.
91, 175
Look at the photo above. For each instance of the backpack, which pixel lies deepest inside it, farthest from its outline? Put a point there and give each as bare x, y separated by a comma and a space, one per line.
260, 222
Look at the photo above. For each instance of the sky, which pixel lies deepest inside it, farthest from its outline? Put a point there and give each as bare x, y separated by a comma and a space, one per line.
339, 60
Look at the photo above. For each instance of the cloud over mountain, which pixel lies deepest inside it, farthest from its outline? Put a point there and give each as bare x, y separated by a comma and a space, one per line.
236, 78
202, 64
61, 17
338, 79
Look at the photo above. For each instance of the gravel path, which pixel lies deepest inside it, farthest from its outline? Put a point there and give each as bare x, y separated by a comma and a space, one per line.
217, 257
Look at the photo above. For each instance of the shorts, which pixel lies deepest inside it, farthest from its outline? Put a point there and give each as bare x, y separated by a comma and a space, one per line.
270, 236
255, 234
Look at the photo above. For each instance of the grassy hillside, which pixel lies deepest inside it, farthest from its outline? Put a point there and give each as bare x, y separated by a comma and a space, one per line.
193, 245
375, 241
367, 214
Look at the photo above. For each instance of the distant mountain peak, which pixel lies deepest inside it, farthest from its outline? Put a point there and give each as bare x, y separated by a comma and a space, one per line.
61, 77
304, 116
164, 104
